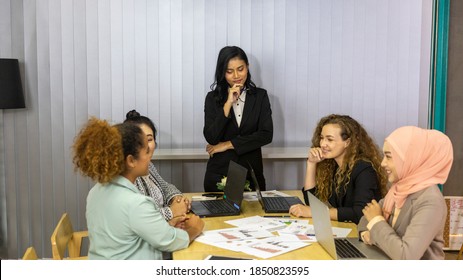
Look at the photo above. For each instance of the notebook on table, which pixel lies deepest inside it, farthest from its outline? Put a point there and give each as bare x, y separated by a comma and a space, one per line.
230, 205
339, 248
273, 204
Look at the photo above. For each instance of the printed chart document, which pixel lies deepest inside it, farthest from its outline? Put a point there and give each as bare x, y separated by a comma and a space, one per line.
264, 237
259, 222
306, 232
270, 247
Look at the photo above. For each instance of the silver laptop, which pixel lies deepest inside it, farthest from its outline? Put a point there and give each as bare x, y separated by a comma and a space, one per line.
339, 248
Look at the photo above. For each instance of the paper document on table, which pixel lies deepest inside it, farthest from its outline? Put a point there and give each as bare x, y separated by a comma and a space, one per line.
232, 238
257, 222
296, 228
228, 234
297, 237
271, 247
287, 221
298, 232
253, 236
340, 232
307, 232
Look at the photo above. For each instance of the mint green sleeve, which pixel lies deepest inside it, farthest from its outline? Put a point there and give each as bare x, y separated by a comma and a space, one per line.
147, 221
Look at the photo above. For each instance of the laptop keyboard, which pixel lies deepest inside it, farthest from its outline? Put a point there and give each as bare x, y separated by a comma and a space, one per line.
276, 203
346, 250
218, 206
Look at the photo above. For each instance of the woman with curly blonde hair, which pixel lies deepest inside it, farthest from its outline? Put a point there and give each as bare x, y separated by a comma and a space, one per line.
343, 169
123, 223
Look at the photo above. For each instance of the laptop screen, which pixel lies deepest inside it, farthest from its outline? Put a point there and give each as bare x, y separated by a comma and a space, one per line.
236, 178
322, 224
256, 185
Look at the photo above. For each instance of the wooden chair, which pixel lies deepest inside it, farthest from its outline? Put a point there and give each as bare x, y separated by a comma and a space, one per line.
64, 238
30, 254
461, 252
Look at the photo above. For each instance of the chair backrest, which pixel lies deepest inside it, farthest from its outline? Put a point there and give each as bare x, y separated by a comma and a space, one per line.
461, 252
30, 254
64, 237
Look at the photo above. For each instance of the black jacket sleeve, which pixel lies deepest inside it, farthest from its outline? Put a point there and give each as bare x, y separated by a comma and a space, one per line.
215, 121
261, 116
362, 188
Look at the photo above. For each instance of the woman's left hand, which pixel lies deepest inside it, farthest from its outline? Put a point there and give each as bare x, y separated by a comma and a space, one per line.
300, 210
179, 221
180, 205
188, 204
219, 148
372, 210
365, 235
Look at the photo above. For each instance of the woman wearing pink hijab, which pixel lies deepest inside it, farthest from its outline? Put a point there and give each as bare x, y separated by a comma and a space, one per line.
409, 222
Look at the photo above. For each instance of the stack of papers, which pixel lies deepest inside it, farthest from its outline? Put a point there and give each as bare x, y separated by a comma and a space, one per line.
266, 237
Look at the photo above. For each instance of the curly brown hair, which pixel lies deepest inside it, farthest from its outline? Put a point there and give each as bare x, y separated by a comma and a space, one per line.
98, 151
361, 147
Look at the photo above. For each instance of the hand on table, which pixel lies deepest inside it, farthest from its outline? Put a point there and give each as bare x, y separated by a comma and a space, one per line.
300, 210
194, 226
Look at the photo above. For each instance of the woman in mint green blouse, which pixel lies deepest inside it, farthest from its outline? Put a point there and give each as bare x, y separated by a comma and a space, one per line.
123, 223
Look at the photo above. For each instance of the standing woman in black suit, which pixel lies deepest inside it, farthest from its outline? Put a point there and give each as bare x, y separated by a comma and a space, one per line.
238, 119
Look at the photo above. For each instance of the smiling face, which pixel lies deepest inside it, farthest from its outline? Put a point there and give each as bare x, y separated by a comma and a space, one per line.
236, 72
332, 144
388, 164
150, 136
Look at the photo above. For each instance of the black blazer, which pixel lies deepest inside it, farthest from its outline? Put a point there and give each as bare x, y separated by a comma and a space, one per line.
361, 189
255, 131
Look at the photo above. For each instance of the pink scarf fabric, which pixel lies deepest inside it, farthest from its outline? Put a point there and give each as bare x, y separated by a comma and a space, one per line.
422, 158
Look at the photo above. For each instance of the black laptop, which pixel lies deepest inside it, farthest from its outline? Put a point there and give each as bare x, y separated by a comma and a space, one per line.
230, 205
273, 204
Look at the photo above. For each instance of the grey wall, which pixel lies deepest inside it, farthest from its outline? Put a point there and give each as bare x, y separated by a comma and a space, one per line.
369, 59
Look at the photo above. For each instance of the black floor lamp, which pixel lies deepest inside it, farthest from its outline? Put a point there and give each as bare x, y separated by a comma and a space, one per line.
11, 97
11, 90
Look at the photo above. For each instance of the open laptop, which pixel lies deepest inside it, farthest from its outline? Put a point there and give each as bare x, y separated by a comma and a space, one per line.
230, 205
273, 204
339, 248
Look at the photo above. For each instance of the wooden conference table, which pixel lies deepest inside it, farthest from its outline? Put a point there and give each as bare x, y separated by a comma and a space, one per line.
199, 251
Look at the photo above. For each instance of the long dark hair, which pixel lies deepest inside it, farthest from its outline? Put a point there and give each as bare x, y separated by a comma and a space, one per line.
135, 117
220, 85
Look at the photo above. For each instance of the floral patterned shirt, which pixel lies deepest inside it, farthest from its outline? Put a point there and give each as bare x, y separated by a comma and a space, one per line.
160, 191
